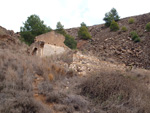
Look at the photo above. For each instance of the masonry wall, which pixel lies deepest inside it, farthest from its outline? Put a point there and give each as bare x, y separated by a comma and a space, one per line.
49, 50
52, 38
48, 44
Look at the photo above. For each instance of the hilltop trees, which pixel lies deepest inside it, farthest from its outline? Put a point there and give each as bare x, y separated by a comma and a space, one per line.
83, 24
110, 16
83, 32
60, 29
69, 40
32, 27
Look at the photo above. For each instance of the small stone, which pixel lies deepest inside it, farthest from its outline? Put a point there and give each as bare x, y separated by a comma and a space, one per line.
88, 111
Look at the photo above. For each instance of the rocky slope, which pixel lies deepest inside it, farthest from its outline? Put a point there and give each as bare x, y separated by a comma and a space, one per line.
10, 41
118, 45
70, 83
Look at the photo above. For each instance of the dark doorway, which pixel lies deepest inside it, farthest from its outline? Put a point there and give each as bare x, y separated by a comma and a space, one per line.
34, 51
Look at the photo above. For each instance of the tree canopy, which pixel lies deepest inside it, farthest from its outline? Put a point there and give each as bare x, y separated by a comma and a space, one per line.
110, 16
69, 40
60, 28
83, 32
33, 27
83, 24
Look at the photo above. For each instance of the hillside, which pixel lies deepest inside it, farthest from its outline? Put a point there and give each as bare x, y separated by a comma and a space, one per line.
93, 79
118, 45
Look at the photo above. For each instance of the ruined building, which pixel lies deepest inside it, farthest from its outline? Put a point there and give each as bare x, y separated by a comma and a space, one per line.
48, 44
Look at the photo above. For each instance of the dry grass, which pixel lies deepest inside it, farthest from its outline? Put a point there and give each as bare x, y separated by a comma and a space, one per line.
17, 73
108, 91
66, 57
114, 91
51, 77
16, 77
70, 102
45, 87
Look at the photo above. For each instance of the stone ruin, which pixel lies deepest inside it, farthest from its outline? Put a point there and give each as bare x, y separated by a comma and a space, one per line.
48, 44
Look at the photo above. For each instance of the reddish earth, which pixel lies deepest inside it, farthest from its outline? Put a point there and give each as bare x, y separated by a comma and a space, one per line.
39, 97
118, 45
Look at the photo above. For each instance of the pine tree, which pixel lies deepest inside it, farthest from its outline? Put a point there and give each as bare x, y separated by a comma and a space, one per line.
83, 32
110, 16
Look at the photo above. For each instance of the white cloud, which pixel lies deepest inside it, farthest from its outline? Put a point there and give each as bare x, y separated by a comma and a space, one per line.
69, 12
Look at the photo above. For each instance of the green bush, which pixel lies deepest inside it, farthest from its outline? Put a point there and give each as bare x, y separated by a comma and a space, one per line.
114, 26
110, 16
148, 26
60, 29
70, 42
137, 39
33, 27
124, 29
83, 24
131, 21
135, 36
83, 33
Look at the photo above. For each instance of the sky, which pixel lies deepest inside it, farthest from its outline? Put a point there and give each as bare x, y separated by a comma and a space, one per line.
71, 13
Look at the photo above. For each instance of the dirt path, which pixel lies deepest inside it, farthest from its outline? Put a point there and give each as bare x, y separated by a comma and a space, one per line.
38, 79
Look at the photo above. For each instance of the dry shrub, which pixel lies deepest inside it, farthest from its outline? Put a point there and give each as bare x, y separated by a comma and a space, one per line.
70, 102
17, 73
109, 84
51, 77
48, 69
58, 71
55, 97
63, 108
16, 77
111, 88
55, 67
71, 73
66, 57
77, 102
20, 102
45, 87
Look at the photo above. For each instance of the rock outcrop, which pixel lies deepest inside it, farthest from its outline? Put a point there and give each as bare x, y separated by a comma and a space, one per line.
118, 45
10, 41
